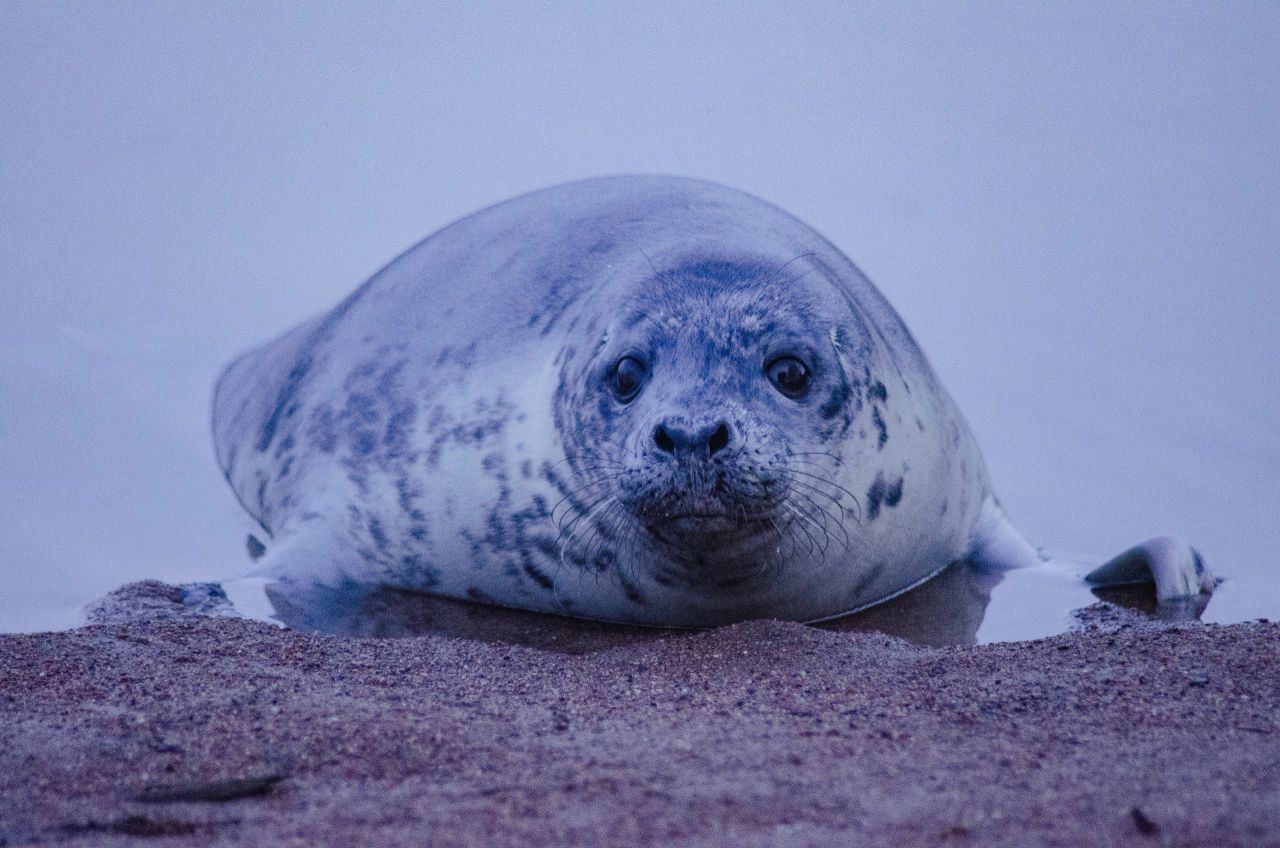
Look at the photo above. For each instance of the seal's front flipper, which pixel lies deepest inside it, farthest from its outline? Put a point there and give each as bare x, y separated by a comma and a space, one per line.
996, 545
1174, 566
301, 581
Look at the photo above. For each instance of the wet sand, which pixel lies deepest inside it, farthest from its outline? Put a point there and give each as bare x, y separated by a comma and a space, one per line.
156, 724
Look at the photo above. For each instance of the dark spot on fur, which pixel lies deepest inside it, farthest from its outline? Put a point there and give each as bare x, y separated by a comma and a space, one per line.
547, 546
836, 401
323, 430
881, 428
419, 571
362, 408
540, 507
286, 445
867, 579
603, 560
497, 534
362, 442
883, 493
378, 534
405, 494
632, 591
396, 437
292, 383
538, 576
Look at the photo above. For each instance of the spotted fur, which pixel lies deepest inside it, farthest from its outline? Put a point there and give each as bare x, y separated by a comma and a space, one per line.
450, 426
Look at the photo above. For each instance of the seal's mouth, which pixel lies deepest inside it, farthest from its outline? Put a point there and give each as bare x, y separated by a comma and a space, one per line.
694, 516
709, 543
699, 528
698, 522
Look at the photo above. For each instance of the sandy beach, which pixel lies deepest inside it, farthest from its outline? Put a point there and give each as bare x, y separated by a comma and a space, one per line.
156, 724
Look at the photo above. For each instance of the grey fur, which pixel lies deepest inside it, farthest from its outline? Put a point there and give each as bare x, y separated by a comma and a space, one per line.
449, 428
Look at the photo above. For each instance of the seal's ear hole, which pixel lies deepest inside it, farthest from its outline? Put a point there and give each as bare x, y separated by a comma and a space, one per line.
627, 378
789, 375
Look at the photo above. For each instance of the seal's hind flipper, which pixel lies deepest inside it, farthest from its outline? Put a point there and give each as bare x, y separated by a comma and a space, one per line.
1174, 566
208, 599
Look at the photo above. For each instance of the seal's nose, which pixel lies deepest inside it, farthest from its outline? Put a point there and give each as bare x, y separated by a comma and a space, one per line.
680, 439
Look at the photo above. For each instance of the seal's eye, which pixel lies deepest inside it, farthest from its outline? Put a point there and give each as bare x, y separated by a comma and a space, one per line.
789, 375
627, 378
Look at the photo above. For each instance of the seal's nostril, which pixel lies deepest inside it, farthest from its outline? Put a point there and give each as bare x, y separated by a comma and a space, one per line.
663, 439
719, 439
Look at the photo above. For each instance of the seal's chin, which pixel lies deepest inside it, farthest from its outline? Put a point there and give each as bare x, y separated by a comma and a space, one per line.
713, 548
699, 525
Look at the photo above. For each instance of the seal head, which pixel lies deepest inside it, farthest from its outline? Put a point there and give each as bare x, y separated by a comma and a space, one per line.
699, 421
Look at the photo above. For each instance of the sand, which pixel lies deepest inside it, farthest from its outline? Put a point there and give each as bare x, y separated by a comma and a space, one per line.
160, 725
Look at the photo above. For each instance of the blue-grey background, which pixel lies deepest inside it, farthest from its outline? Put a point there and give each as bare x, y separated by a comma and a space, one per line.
1076, 208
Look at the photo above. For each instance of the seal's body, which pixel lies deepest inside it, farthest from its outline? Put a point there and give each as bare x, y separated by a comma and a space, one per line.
648, 400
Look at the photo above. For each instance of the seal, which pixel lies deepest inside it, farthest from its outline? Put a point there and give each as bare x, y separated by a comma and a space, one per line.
635, 399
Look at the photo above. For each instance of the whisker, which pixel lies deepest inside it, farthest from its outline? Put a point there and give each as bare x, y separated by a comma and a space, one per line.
812, 542
787, 264
831, 483
636, 244
826, 515
573, 494
585, 512
799, 277
837, 502
607, 501
824, 534
600, 538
